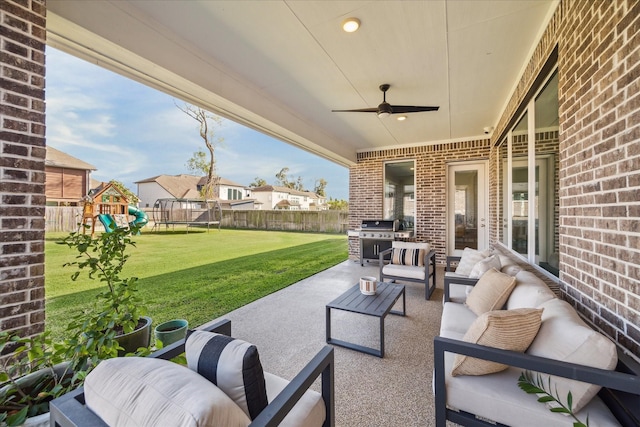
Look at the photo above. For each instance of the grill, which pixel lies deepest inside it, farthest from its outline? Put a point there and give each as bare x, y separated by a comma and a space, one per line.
375, 237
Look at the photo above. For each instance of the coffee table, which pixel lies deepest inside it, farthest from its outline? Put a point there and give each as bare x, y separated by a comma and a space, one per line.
378, 305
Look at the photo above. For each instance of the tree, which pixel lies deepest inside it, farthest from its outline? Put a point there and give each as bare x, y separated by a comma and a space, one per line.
258, 182
207, 126
124, 190
338, 205
282, 179
320, 186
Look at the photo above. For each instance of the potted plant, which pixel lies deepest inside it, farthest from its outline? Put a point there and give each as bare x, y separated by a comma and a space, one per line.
31, 376
116, 324
37, 370
171, 331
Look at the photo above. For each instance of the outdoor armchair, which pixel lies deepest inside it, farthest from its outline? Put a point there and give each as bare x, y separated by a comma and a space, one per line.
71, 410
409, 261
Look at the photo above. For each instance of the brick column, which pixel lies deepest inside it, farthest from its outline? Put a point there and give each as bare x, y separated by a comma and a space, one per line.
22, 154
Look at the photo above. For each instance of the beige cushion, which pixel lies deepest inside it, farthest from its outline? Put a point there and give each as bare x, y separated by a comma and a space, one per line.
309, 410
529, 291
491, 292
470, 257
481, 267
511, 269
407, 271
141, 391
505, 329
411, 245
564, 336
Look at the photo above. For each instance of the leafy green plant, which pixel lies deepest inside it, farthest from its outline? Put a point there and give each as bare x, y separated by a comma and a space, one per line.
39, 369
117, 310
32, 376
534, 384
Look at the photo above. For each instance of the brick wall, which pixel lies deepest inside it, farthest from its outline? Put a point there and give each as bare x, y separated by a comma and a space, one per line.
22, 148
599, 71
366, 184
598, 46
598, 57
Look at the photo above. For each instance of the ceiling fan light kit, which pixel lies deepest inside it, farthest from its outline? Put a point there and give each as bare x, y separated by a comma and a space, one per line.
385, 109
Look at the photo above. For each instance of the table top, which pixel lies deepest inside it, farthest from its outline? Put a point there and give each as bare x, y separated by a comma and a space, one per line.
374, 305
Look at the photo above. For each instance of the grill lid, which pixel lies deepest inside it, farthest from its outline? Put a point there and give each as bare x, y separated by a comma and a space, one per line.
380, 224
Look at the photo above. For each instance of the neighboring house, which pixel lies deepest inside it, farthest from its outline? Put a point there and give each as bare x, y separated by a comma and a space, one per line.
232, 194
228, 190
284, 198
67, 178
182, 186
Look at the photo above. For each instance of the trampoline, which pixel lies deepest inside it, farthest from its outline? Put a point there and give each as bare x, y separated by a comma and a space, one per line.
189, 212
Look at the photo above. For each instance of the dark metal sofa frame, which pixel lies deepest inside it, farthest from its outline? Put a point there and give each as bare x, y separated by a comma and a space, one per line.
450, 280
620, 392
429, 271
70, 410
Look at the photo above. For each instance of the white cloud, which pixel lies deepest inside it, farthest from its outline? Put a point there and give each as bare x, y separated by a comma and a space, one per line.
131, 132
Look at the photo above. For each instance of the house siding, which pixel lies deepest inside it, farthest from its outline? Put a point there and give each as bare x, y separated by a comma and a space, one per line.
598, 59
22, 165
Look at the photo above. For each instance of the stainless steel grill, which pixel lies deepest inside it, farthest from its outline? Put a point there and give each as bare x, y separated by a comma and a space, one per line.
375, 237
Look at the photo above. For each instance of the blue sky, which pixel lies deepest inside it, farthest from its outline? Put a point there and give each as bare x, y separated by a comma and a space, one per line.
130, 132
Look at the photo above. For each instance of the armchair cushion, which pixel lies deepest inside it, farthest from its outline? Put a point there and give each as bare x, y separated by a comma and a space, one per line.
144, 391
505, 329
309, 410
491, 292
231, 364
408, 271
404, 256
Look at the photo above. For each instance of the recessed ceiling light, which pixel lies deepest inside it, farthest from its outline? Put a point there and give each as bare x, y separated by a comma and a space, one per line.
402, 118
351, 25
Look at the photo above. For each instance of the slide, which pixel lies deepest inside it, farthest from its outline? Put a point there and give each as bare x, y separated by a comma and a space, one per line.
108, 221
141, 217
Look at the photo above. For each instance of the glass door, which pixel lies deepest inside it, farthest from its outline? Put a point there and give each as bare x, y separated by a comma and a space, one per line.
467, 207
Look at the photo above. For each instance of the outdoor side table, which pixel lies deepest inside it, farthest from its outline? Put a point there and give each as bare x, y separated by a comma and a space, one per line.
378, 305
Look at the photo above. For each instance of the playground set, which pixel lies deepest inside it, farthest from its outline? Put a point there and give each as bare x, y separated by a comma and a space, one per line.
111, 207
189, 212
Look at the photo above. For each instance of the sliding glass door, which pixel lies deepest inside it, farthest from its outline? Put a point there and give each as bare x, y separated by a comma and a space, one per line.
528, 163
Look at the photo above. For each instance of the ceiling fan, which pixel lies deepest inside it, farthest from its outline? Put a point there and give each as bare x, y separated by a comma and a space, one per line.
385, 109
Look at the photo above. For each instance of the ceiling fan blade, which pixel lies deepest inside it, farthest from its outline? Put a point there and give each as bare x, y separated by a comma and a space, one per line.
400, 109
361, 110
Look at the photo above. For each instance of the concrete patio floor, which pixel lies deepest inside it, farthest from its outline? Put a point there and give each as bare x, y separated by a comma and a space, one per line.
288, 328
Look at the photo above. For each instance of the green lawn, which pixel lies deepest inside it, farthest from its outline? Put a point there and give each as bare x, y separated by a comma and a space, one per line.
196, 276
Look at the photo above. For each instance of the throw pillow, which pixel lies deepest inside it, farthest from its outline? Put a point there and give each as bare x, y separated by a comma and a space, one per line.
565, 336
505, 329
469, 258
144, 391
481, 267
490, 292
231, 364
402, 256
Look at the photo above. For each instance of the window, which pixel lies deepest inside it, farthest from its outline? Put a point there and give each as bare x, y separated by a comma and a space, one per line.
528, 213
233, 194
399, 193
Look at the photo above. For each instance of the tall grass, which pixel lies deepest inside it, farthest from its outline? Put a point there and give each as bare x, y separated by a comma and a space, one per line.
196, 276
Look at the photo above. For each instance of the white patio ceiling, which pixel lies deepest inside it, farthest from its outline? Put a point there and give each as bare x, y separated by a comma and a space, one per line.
281, 66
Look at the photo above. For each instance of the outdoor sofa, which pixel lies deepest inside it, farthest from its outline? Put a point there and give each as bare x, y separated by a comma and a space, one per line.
478, 328
290, 403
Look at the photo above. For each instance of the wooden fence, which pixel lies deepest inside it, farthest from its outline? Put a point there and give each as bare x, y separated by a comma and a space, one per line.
66, 219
